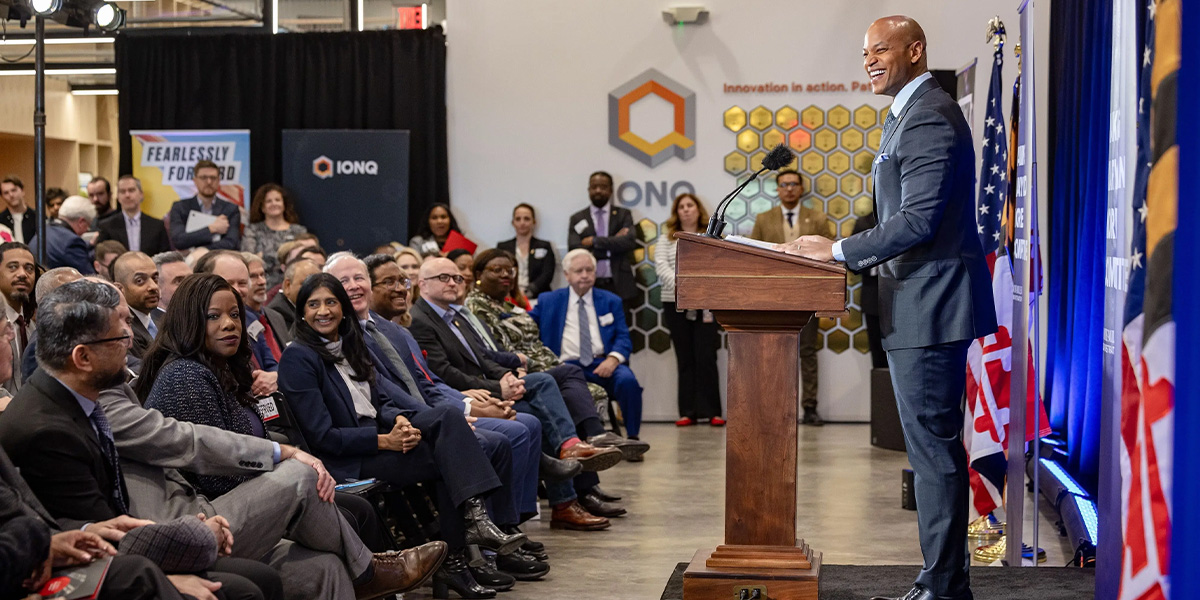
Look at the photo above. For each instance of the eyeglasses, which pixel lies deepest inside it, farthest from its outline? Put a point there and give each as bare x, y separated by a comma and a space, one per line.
447, 278
501, 271
790, 184
208, 177
393, 283
120, 338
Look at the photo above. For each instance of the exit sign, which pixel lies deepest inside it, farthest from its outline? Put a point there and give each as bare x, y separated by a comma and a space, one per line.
410, 17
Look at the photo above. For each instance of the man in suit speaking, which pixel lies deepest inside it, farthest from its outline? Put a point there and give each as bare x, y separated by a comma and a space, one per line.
935, 292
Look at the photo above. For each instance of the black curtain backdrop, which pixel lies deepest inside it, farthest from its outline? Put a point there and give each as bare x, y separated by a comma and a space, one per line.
267, 83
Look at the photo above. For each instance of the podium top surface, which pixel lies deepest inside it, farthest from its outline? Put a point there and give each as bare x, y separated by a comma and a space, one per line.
761, 253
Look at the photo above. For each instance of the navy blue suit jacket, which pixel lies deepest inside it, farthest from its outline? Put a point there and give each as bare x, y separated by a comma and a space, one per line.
434, 390
551, 316
182, 240
65, 249
325, 413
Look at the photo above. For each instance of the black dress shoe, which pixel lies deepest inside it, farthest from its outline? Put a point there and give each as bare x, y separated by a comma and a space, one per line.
593, 504
918, 592
605, 496
555, 469
529, 545
521, 566
454, 575
812, 418
490, 576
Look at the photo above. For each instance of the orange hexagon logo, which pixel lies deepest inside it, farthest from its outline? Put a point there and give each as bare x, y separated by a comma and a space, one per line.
680, 142
323, 167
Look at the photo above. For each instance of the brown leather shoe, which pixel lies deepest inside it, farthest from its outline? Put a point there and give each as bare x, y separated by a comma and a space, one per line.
397, 572
591, 457
574, 516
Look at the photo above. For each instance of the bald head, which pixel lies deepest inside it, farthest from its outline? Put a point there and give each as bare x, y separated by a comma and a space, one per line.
894, 54
55, 278
438, 292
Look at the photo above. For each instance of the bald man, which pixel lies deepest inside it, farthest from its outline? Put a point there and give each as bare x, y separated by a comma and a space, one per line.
935, 292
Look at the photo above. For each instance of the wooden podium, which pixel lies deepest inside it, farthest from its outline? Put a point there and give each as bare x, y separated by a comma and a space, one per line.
762, 299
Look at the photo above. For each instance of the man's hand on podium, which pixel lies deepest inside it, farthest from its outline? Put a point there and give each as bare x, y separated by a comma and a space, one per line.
809, 246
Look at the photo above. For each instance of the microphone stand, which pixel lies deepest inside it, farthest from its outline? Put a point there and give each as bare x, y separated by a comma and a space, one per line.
716, 224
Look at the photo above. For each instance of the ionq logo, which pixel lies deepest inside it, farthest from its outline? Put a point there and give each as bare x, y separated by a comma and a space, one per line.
325, 167
680, 143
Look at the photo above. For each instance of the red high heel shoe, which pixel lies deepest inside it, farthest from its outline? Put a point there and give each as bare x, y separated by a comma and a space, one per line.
685, 422
717, 422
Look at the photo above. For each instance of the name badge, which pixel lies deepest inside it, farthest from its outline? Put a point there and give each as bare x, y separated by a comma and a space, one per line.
581, 226
606, 319
882, 157
267, 411
540, 253
254, 330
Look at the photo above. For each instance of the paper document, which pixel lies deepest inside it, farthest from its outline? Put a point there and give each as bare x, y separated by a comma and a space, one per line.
745, 241
198, 220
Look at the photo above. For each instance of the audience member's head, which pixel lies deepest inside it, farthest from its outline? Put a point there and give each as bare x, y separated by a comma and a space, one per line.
388, 248
465, 261
579, 266
172, 269
389, 286
18, 272
272, 202
78, 213
206, 176
437, 223
204, 324
129, 194
495, 271
136, 277
687, 214
230, 266
106, 252
99, 191
409, 261
258, 281
352, 273
83, 335
313, 253
54, 278
13, 191
441, 282
324, 313
600, 188
294, 276
54, 200
790, 187
524, 219
194, 255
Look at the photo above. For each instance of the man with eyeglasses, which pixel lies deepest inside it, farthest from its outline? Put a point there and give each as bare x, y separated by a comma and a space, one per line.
224, 232
281, 310
784, 223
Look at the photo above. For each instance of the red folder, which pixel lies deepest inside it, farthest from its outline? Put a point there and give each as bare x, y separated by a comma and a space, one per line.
455, 240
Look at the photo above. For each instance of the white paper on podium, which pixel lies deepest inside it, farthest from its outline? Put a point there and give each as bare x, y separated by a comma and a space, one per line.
198, 220
745, 241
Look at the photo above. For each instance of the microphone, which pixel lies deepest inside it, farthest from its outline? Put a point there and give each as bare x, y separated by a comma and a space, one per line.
779, 157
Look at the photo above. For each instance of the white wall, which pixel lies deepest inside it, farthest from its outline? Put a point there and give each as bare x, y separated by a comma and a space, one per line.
528, 117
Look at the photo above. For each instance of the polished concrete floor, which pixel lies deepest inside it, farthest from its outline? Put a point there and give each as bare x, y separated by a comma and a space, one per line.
849, 510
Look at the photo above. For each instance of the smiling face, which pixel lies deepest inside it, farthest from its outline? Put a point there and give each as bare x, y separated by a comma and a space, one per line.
323, 313
893, 54
439, 222
353, 276
273, 204
389, 296
496, 279
223, 325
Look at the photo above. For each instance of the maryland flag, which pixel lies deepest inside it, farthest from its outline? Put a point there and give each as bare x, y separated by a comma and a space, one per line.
1148, 340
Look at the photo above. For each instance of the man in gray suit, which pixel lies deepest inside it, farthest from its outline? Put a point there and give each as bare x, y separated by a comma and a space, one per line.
935, 292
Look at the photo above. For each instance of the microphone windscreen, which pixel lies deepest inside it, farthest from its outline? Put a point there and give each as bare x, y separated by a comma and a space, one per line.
779, 157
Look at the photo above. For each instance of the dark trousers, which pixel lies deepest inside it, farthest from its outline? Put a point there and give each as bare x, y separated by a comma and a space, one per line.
448, 454
622, 385
136, 578
875, 340
573, 386
809, 338
245, 579
361, 515
929, 384
696, 344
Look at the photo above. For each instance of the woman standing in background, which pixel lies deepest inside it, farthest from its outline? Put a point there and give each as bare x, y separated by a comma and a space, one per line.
535, 258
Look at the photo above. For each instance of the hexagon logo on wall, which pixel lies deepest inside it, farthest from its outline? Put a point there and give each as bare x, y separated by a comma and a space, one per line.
681, 142
323, 167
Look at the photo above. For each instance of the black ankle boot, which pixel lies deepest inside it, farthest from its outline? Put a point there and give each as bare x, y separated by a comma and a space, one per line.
489, 576
483, 532
454, 575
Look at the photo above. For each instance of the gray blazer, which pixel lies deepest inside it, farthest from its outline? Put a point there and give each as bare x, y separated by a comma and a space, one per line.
152, 447
934, 284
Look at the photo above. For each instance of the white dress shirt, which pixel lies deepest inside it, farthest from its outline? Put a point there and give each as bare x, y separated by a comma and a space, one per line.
133, 230
570, 339
18, 231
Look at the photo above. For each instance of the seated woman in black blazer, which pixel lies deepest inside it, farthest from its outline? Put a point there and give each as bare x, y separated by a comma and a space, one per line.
535, 258
354, 426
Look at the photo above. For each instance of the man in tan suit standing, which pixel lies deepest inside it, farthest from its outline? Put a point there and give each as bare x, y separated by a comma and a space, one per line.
781, 224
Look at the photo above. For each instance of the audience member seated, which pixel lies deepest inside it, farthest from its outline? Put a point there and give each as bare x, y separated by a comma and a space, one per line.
105, 253
393, 353
535, 258
314, 253
17, 216
513, 330
288, 251
54, 200
47, 283
99, 192
465, 261
224, 232
17, 276
352, 420
273, 222
586, 326
256, 305
172, 269
134, 229
695, 335
434, 231
136, 277
64, 246
458, 356
231, 267
607, 232
409, 261
281, 310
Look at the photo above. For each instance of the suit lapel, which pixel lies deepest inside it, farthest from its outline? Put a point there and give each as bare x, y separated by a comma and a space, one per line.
451, 340
335, 378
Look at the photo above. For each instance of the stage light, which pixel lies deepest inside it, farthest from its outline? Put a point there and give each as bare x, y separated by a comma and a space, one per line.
45, 8
108, 17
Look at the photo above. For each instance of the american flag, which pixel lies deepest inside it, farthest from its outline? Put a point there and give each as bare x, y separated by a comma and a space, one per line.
1148, 339
989, 360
